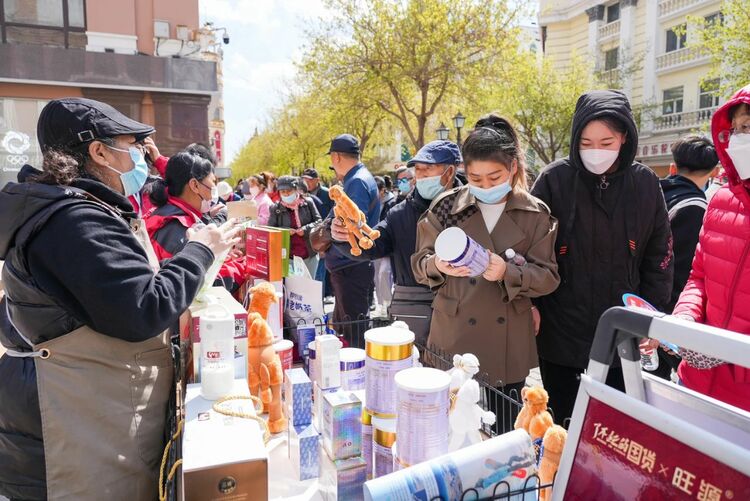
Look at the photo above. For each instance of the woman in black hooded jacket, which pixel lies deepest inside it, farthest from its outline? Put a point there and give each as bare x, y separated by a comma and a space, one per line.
614, 238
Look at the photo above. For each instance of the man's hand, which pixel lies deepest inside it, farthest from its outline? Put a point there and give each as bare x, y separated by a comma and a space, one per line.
496, 269
151, 150
338, 230
453, 271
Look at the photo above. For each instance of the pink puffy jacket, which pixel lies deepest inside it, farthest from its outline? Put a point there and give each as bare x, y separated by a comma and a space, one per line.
718, 291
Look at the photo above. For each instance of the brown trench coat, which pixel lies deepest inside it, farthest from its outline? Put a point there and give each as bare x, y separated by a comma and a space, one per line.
489, 319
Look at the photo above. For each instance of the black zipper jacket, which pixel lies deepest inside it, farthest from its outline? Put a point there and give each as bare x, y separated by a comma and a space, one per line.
686, 223
614, 237
69, 262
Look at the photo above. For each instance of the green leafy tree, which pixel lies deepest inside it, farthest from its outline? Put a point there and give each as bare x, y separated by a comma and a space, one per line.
540, 99
727, 39
410, 58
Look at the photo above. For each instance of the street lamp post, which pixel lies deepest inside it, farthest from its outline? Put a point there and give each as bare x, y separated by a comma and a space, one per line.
442, 132
458, 122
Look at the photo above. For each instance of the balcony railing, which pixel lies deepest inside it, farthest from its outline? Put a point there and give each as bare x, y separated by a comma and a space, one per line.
677, 58
684, 120
609, 31
669, 7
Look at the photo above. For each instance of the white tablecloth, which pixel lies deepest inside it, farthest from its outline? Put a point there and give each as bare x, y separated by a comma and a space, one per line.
281, 482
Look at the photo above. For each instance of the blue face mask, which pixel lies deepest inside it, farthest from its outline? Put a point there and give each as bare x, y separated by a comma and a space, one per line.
491, 195
429, 187
289, 199
134, 179
404, 186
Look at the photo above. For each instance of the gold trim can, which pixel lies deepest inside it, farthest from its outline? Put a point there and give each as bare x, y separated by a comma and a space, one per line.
388, 350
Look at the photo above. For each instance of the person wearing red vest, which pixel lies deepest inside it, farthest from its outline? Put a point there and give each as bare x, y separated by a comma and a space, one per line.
718, 290
185, 197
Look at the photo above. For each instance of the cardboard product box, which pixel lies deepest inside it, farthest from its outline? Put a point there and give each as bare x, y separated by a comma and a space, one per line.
298, 394
219, 295
342, 479
327, 356
224, 457
286, 248
242, 210
263, 247
304, 451
342, 428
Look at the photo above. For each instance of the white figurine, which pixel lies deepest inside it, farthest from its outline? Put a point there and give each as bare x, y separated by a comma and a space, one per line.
415, 357
467, 417
465, 367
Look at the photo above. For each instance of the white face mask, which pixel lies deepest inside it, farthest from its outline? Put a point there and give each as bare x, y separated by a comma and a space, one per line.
598, 161
254, 190
739, 151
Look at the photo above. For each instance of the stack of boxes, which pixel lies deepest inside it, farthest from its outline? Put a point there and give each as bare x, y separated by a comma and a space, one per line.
343, 471
333, 411
303, 436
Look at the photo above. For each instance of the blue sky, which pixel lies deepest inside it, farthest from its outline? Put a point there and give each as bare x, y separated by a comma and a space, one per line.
266, 37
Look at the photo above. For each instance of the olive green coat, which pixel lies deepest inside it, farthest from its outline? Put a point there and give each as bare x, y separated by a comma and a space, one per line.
492, 320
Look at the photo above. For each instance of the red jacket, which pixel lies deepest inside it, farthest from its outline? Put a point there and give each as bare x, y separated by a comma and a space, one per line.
718, 290
167, 227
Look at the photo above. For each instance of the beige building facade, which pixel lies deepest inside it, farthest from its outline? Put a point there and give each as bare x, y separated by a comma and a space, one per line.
641, 47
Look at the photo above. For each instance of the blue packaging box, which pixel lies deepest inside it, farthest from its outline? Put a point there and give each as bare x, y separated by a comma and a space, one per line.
298, 394
304, 451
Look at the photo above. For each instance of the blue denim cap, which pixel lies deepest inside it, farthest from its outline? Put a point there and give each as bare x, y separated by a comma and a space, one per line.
437, 152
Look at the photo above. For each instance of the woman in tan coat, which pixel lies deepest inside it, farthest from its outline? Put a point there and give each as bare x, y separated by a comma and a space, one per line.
490, 315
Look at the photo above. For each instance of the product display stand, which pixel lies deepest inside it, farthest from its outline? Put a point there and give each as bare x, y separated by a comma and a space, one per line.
658, 440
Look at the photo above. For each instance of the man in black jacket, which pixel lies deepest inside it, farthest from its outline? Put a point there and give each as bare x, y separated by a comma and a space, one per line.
614, 238
695, 162
435, 168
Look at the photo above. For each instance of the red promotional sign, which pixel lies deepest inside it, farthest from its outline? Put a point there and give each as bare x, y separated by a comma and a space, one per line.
619, 457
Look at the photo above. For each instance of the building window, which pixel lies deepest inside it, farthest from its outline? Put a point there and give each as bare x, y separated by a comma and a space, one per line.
60, 23
676, 38
613, 13
709, 94
611, 59
714, 19
672, 101
18, 144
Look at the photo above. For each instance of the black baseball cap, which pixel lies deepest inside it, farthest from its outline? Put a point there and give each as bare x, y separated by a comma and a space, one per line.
345, 143
310, 173
74, 121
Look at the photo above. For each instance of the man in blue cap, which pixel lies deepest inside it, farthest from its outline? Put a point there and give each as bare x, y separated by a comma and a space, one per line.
352, 281
435, 169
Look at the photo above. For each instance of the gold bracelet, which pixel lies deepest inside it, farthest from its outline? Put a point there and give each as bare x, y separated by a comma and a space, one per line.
227, 412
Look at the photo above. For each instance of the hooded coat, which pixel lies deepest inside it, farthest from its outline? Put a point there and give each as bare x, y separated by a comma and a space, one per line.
718, 290
70, 262
614, 236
